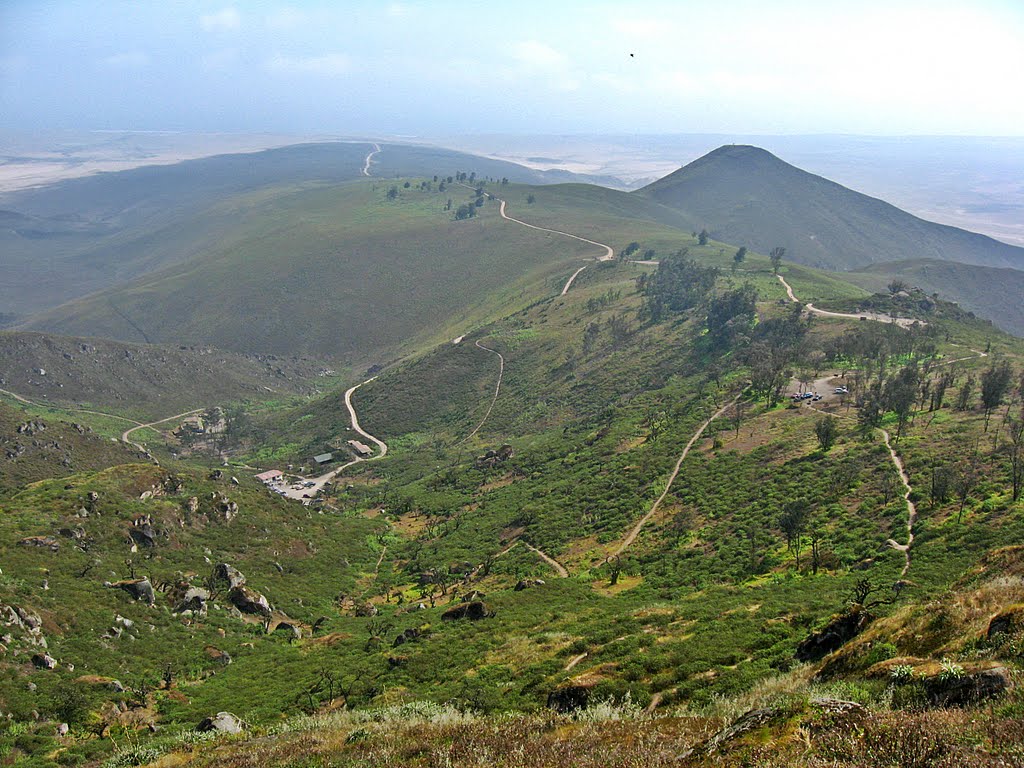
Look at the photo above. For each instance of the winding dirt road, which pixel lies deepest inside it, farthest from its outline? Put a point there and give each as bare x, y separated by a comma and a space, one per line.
497, 390
903, 322
125, 435
369, 157
608, 254
549, 560
302, 494
631, 537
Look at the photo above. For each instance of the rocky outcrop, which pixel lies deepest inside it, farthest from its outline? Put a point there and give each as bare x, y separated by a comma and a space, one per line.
40, 542
969, 688
494, 458
1007, 622
142, 532
527, 583
839, 631
216, 655
193, 599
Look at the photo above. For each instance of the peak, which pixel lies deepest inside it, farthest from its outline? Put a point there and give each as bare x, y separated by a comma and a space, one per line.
745, 152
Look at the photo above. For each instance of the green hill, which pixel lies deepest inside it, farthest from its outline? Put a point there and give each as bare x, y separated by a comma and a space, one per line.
746, 195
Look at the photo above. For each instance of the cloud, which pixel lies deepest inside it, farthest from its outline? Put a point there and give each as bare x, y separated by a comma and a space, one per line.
127, 60
224, 20
398, 11
328, 64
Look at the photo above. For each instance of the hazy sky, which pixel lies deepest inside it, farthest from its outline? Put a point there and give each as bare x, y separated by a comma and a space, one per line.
731, 66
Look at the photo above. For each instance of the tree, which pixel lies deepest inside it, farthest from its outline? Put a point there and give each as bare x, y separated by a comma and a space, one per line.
901, 394
392, 192
730, 314
776, 255
703, 237
941, 481
1016, 429
994, 384
826, 429
738, 257
649, 254
963, 397
530, 199
792, 521
964, 482
898, 285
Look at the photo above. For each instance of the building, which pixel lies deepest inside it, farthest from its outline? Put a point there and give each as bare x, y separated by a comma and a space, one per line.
323, 458
270, 476
361, 448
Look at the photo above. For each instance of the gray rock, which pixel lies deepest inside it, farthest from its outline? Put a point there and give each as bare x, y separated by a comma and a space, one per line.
43, 661
225, 572
140, 589
222, 722
249, 601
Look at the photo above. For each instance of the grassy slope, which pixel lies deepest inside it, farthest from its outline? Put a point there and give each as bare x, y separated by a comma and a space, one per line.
337, 271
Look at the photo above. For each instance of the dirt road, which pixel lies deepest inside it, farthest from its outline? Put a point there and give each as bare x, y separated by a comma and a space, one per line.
369, 157
125, 435
903, 322
302, 494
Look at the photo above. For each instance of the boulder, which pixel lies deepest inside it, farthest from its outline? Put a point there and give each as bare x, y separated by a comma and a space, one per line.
194, 599
225, 572
43, 661
222, 722
249, 601
473, 611
140, 589
410, 635
142, 531
217, 655
527, 583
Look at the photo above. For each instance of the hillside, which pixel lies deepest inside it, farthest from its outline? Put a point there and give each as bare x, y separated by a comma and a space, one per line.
747, 196
66, 240
588, 497
341, 272
142, 380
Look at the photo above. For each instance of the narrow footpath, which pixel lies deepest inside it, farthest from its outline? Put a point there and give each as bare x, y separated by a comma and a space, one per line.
497, 390
911, 507
631, 537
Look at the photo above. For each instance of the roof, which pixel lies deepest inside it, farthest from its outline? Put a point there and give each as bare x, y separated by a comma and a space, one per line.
323, 458
361, 447
270, 474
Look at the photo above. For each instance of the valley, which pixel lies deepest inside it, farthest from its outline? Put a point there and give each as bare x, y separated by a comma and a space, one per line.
569, 495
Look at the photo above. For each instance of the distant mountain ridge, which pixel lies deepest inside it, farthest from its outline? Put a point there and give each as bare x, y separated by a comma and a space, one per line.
746, 195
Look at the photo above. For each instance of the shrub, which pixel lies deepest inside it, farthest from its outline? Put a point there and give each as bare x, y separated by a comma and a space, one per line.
901, 674
950, 671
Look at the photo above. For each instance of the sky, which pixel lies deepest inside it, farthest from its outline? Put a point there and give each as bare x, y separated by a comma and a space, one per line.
897, 67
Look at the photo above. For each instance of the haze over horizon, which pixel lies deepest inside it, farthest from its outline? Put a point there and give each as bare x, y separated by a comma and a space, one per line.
419, 68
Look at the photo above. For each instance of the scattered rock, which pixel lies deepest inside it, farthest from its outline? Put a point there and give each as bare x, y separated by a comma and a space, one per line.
410, 635
493, 458
142, 531
474, 611
749, 721
222, 722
